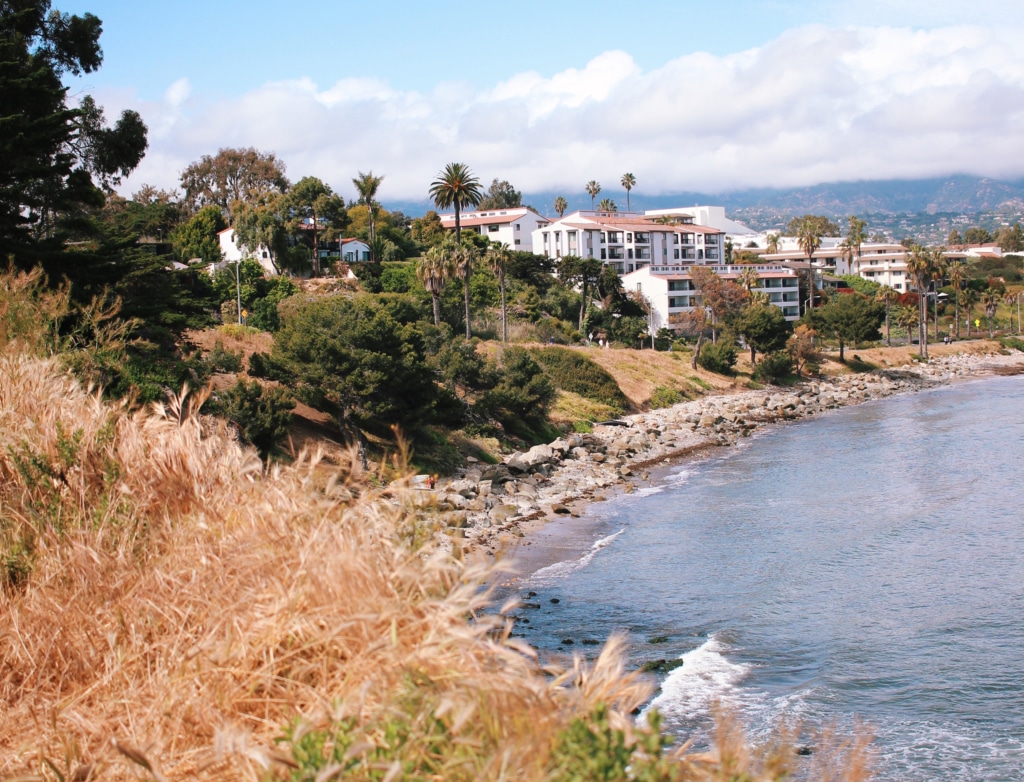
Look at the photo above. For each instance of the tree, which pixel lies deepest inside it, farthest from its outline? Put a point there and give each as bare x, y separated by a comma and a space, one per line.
976, 235
957, 273
501, 195
849, 318
822, 225
724, 299
809, 238
593, 187
198, 237
314, 208
954, 238
919, 267
856, 232
428, 230
456, 187
261, 414
367, 186
628, 182
887, 296
573, 270
434, 269
54, 158
230, 176
938, 273
260, 223
1011, 239
352, 357
561, 206
607, 205
764, 328
749, 278
990, 301
907, 318
772, 244
498, 256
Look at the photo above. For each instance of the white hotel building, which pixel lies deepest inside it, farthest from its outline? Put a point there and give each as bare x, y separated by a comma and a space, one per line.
513, 226
629, 242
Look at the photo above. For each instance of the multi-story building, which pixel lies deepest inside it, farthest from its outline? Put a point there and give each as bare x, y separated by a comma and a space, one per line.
671, 291
512, 226
886, 264
629, 242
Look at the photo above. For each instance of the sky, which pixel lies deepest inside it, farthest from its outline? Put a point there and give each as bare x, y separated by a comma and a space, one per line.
687, 96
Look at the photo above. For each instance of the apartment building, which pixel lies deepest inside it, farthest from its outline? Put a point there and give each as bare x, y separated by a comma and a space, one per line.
629, 242
514, 226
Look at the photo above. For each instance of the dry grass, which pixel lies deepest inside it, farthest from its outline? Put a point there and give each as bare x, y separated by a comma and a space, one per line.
180, 608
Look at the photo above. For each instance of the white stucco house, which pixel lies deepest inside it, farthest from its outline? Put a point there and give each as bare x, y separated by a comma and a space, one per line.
231, 252
354, 250
513, 226
629, 242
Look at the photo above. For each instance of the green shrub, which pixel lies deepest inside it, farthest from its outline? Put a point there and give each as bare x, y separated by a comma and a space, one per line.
1012, 343
774, 367
521, 395
718, 357
663, 396
261, 414
571, 370
220, 359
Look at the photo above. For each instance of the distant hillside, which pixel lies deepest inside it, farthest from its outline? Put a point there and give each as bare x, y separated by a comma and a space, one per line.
954, 194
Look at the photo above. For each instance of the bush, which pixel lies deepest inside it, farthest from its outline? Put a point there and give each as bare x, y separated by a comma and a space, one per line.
220, 359
774, 367
665, 397
1012, 343
521, 396
261, 414
572, 370
718, 357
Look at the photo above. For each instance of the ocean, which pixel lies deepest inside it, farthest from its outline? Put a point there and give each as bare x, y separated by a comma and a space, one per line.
866, 566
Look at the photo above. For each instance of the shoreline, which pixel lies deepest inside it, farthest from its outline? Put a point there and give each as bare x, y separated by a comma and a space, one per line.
509, 510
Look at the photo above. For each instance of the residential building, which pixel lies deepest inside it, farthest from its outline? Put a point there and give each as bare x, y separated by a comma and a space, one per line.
710, 216
886, 264
513, 226
231, 252
629, 242
354, 251
670, 289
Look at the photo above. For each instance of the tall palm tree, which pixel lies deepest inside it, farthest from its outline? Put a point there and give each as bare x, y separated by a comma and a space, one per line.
367, 185
561, 206
856, 234
968, 298
464, 256
919, 267
456, 187
434, 270
990, 301
809, 240
628, 182
907, 317
888, 296
957, 274
772, 244
1009, 299
498, 256
607, 205
749, 278
593, 188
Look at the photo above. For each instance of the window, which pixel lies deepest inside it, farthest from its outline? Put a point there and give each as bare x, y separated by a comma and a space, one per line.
675, 253
492, 229
629, 237
638, 287
517, 241
518, 226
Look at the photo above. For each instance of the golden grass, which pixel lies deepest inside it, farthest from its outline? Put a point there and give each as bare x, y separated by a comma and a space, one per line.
180, 608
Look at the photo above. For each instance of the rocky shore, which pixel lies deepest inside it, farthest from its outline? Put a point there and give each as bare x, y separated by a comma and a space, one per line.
490, 506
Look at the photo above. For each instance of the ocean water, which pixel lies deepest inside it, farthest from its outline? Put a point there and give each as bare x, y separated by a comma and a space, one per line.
866, 566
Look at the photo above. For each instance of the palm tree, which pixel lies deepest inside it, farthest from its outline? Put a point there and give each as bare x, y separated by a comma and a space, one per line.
628, 182
919, 267
907, 318
990, 300
809, 241
457, 187
367, 185
888, 296
1009, 299
593, 188
855, 234
939, 265
749, 278
607, 205
968, 298
464, 256
498, 256
772, 244
434, 270
957, 274
560, 206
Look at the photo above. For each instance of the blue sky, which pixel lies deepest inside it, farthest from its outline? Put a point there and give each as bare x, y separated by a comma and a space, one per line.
688, 96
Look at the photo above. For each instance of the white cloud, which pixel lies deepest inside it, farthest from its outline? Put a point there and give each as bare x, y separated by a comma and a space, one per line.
816, 104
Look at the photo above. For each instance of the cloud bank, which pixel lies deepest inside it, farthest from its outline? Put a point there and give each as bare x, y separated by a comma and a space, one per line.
814, 105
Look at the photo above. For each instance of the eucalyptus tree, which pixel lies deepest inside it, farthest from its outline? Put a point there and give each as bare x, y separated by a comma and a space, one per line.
628, 182
434, 269
919, 267
456, 187
498, 256
593, 187
561, 205
956, 272
809, 239
367, 186
585, 272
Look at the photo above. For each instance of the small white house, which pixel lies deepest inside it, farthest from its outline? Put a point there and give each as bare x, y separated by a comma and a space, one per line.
231, 252
354, 250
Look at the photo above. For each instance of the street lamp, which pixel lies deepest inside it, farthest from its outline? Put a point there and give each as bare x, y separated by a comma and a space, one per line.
238, 289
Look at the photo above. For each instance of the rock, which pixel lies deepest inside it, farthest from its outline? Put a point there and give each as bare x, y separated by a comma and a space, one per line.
502, 513
464, 487
457, 518
483, 489
560, 509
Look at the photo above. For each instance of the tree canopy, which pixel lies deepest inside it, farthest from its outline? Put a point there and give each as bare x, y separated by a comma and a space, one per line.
232, 175
501, 195
821, 225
